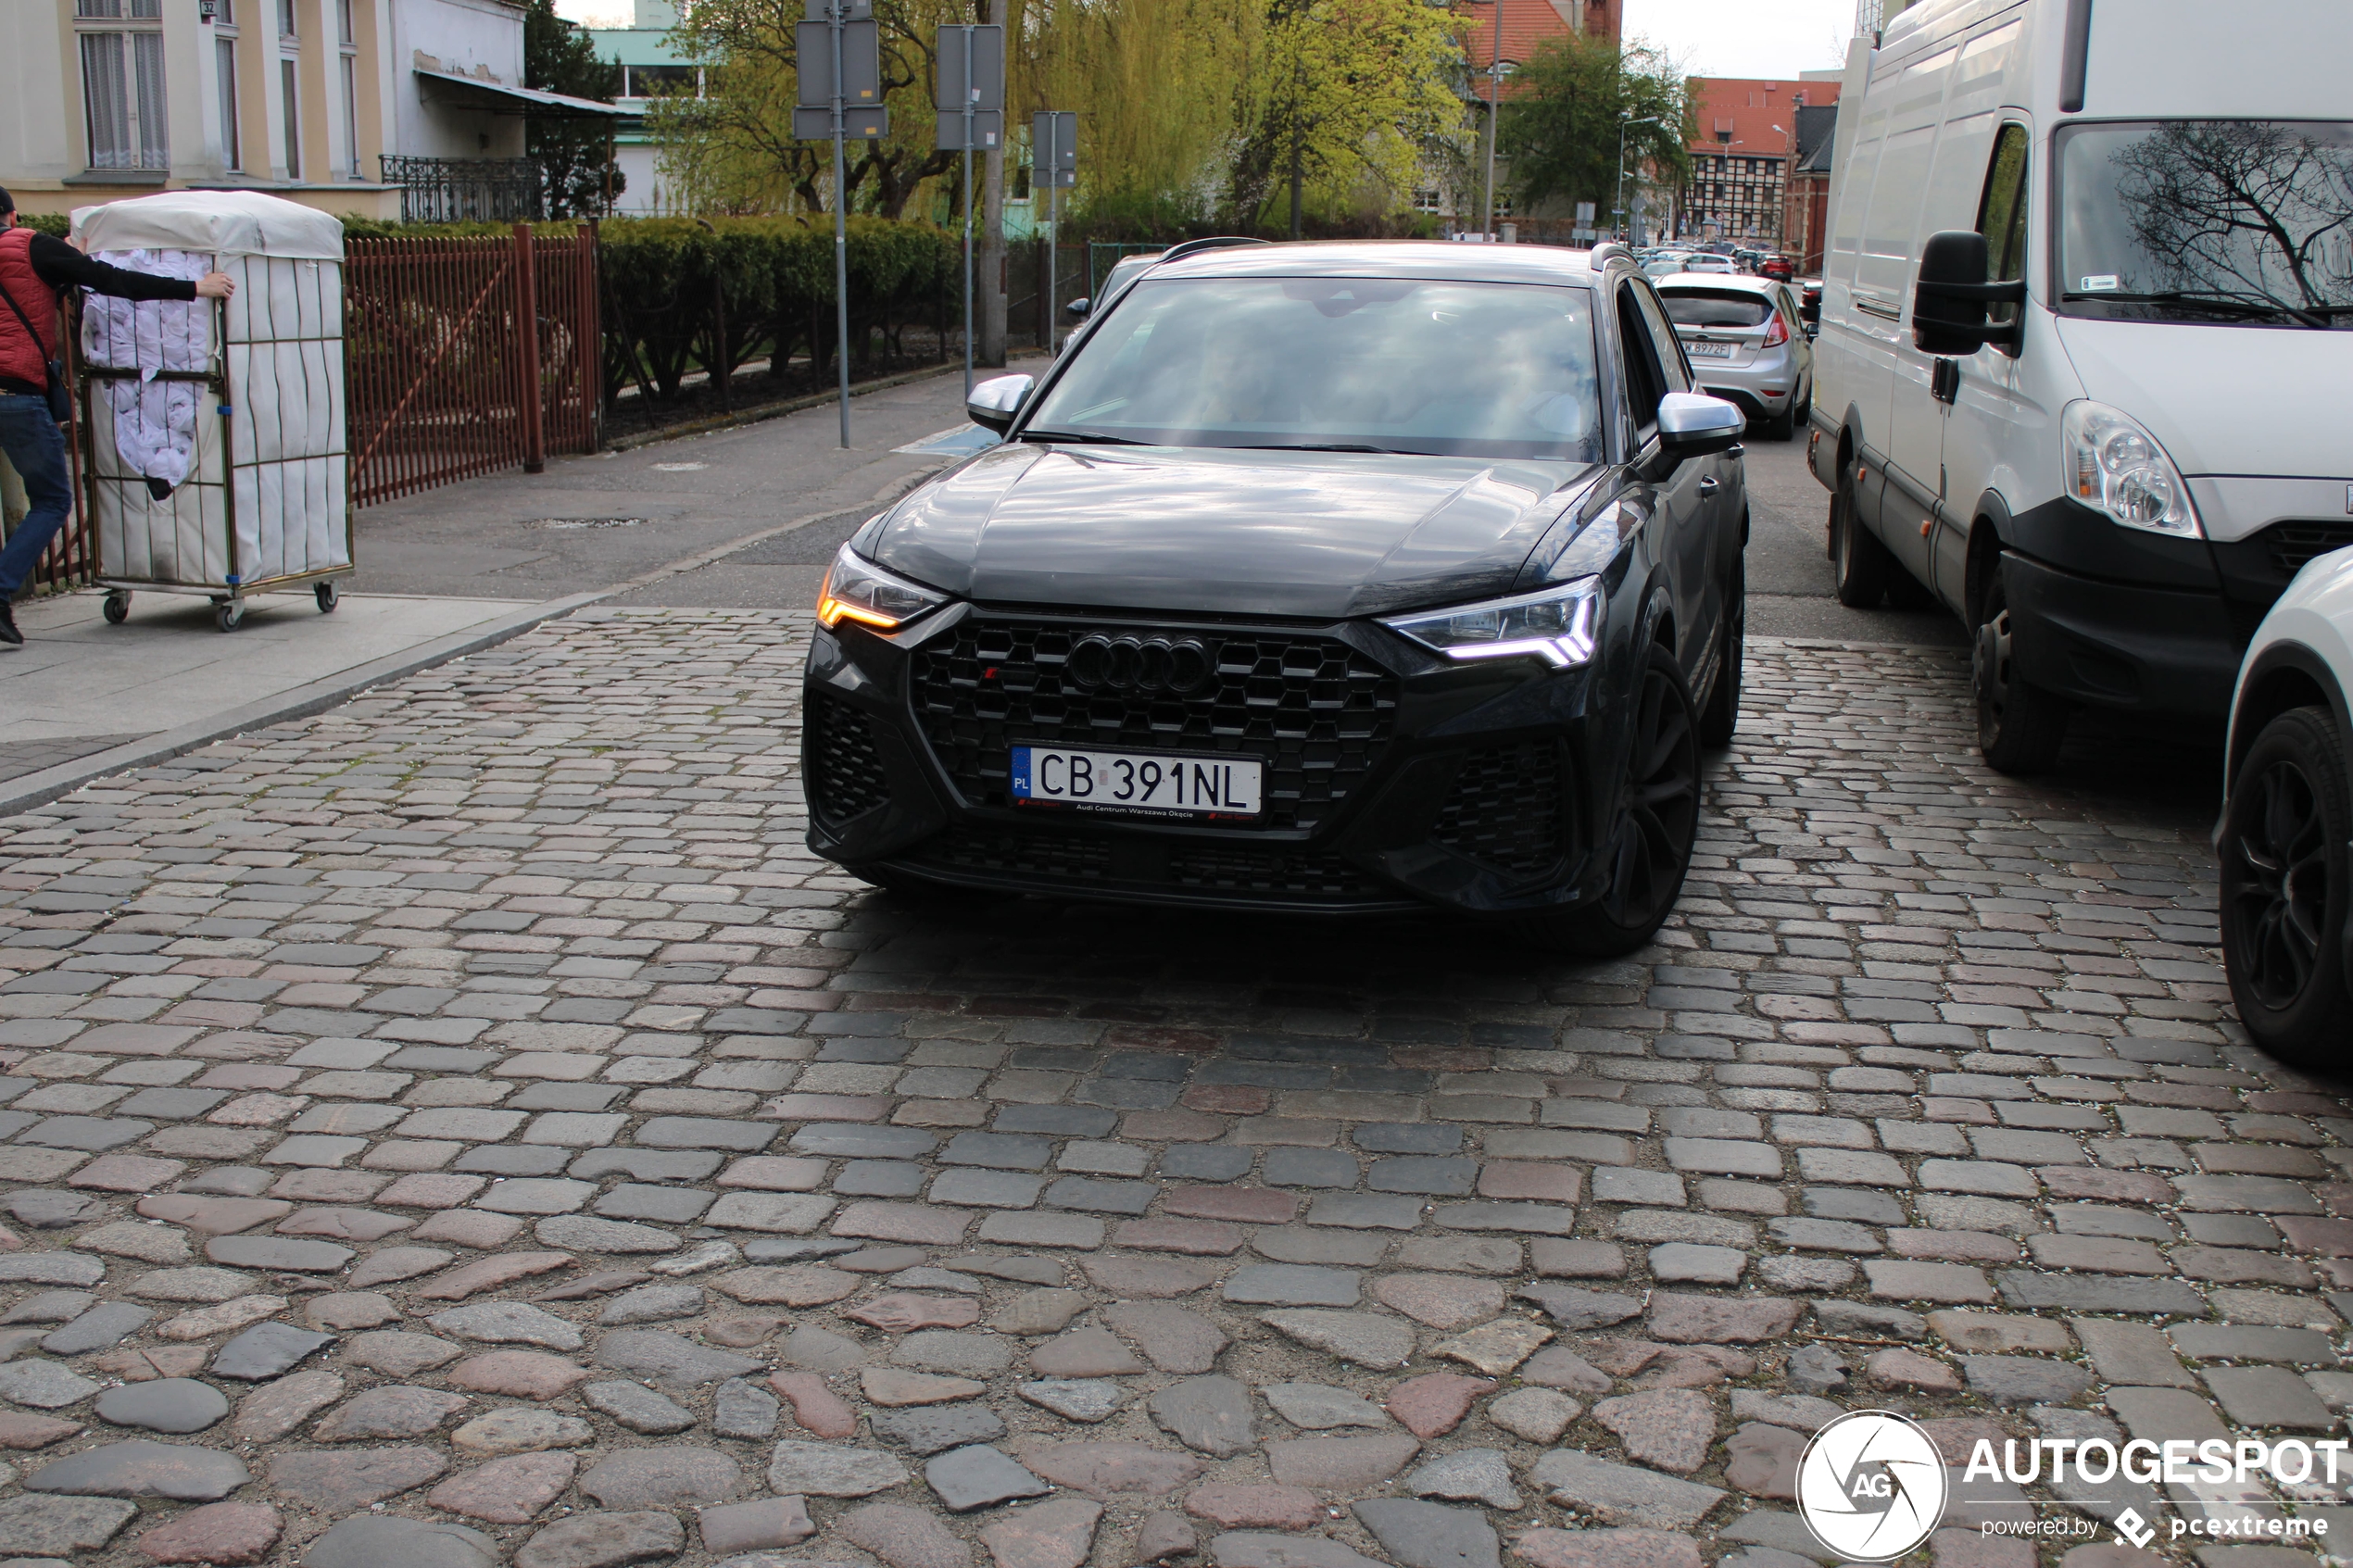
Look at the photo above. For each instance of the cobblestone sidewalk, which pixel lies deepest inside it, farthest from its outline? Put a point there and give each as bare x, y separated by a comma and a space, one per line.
469, 1126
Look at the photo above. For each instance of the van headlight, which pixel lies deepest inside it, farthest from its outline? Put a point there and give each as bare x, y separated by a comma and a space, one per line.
1558, 626
2116, 467
856, 589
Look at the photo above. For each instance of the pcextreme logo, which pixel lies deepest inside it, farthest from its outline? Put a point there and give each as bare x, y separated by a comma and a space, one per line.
1871, 1485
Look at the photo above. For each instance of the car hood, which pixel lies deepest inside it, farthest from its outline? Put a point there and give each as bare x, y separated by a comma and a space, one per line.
1320, 535
2222, 400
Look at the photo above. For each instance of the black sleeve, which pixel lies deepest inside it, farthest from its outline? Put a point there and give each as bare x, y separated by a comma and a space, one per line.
60, 266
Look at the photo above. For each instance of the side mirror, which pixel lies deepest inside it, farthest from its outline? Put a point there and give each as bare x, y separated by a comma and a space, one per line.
1078, 307
1692, 425
993, 403
1950, 297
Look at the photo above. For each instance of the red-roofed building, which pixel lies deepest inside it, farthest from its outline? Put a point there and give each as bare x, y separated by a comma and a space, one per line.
1527, 26
1745, 152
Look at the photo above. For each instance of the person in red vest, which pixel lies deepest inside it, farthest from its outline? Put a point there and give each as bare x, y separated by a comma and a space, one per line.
35, 270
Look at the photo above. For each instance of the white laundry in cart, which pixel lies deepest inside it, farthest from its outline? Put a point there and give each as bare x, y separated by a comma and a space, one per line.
243, 401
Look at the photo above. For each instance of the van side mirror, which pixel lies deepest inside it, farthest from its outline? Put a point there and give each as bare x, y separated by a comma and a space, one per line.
993, 403
1949, 300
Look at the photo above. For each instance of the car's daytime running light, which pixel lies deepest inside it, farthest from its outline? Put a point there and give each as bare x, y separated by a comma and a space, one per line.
858, 590
1559, 626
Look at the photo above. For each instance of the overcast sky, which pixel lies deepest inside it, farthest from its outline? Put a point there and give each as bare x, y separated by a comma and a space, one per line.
1768, 38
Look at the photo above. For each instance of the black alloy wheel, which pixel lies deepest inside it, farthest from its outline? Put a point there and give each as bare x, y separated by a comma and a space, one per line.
2284, 890
1654, 829
1723, 715
2019, 726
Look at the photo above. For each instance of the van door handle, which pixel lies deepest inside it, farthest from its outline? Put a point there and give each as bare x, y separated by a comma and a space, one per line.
1707, 486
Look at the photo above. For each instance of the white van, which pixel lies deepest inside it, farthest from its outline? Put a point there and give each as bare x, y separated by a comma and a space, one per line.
2086, 364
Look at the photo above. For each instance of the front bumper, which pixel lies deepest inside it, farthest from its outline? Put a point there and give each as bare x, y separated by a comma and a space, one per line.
1394, 780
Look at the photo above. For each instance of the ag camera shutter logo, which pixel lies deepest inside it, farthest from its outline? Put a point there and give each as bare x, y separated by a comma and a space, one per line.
1872, 1486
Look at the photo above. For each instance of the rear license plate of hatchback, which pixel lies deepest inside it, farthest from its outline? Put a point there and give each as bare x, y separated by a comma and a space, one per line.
1129, 781
1710, 350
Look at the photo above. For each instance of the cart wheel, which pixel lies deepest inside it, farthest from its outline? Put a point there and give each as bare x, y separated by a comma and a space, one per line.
329, 596
230, 615
117, 607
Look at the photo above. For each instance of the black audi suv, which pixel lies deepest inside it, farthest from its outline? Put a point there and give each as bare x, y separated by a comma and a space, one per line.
1326, 578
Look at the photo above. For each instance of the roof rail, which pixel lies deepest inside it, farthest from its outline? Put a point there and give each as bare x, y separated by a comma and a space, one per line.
1609, 251
1216, 241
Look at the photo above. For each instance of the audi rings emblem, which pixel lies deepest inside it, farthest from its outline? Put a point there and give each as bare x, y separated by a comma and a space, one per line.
1137, 664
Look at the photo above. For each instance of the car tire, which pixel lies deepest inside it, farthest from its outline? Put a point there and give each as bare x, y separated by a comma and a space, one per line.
1722, 715
1859, 562
1655, 825
1800, 414
2019, 726
1783, 425
2284, 890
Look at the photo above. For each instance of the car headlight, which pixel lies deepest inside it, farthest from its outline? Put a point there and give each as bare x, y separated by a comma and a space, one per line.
856, 589
2116, 467
1558, 626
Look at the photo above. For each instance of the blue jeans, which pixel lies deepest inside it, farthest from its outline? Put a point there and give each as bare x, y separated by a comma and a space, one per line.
36, 449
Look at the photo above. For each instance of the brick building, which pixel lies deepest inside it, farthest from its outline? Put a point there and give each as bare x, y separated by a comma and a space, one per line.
1527, 26
1743, 157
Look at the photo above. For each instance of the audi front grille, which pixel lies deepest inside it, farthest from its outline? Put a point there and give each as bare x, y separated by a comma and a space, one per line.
1314, 711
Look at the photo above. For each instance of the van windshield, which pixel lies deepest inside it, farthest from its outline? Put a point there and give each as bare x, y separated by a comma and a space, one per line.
2235, 222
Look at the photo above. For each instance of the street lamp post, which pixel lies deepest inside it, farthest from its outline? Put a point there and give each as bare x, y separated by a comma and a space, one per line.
1617, 204
1495, 93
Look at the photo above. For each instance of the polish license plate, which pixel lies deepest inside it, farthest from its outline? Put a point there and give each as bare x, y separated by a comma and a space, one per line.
1127, 781
1709, 350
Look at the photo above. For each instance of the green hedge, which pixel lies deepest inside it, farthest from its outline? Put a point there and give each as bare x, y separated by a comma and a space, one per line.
680, 293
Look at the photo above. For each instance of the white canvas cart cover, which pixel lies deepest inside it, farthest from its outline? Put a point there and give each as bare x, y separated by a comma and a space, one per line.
224, 223
277, 462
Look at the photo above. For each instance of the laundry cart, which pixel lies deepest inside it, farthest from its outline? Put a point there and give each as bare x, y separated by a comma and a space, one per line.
214, 457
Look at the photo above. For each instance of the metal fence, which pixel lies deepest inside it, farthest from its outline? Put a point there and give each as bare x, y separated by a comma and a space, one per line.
465, 190
438, 365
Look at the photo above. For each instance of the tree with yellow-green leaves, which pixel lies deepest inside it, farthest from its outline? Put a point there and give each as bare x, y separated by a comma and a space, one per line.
1345, 94
1191, 112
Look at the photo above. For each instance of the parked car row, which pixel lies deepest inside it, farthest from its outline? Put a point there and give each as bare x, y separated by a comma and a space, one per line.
2085, 327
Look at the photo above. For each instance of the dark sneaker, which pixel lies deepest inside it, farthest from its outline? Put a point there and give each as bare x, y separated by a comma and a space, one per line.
9, 633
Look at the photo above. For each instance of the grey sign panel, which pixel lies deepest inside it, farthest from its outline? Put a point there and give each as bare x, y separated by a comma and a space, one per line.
986, 45
989, 131
859, 125
1053, 147
822, 10
861, 63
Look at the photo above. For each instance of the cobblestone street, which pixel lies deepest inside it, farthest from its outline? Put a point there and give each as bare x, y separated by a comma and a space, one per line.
469, 1126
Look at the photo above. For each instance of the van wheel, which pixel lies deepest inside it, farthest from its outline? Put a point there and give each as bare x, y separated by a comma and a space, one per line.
2019, 726
2285, 893
1859, 562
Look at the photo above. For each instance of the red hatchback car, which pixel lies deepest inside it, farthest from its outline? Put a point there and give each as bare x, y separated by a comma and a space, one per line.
1779, 267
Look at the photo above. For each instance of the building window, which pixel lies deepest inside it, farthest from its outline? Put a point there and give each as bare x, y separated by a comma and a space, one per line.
291, 101
122, 84
224, 55
655, 81
351, 65
1429, 200
285, 18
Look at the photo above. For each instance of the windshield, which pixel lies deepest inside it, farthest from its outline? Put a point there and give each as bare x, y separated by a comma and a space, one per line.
1692, 308
2231, 221
1387, 364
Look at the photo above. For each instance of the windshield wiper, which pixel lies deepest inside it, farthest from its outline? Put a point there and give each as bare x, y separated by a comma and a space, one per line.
2243, 300
1094, 437
1318, 446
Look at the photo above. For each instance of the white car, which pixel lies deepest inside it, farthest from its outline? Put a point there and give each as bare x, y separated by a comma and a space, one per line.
1710, 264
2288, 818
